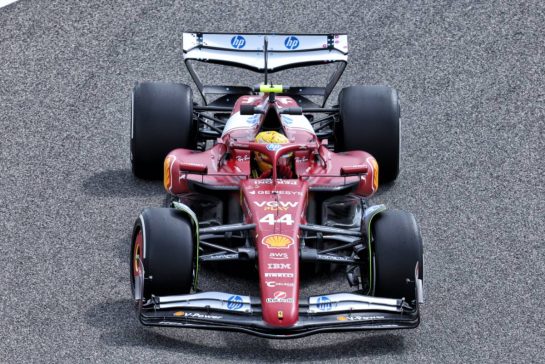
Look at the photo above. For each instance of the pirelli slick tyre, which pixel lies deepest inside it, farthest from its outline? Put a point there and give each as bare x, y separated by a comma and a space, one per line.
397, 249
369, 121
162, 120
162, 254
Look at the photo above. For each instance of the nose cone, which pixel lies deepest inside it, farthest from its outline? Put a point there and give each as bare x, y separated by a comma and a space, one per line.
277, 210
278, 271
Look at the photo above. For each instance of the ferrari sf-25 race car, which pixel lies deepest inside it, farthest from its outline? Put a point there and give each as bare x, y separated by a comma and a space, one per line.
264, 174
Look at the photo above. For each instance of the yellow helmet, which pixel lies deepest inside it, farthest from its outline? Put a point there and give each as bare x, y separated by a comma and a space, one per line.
269, 137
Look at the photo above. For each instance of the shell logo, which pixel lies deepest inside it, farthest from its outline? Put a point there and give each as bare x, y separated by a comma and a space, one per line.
277, 241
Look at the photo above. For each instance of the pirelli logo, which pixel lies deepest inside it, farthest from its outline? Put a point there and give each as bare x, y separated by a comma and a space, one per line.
279, 275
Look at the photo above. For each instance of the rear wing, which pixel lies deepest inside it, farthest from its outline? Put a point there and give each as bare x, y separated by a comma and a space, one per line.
266, 53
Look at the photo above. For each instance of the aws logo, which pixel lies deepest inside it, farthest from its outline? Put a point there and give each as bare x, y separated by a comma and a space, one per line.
278, 256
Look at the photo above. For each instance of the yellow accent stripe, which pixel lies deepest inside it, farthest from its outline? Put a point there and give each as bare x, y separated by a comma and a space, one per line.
271, 88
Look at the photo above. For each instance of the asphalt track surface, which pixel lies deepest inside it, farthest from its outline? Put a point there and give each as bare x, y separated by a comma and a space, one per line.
471, 78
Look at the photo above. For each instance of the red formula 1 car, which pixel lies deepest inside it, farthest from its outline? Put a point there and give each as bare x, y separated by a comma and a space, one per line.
257, 175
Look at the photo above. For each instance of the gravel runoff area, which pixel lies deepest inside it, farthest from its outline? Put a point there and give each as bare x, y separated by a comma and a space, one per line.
471, 79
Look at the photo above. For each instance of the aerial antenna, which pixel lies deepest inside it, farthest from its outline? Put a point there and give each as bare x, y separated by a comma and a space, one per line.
266, 55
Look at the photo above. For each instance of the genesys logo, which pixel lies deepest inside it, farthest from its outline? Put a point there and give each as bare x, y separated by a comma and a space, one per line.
238, 42
291, 42
279, 266
279, 192
273, 284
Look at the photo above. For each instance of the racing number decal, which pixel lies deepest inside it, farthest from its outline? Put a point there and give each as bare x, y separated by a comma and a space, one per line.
285, 219
270, 219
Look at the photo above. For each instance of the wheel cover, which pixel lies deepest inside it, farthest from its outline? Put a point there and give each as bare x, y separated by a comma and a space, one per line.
138, 267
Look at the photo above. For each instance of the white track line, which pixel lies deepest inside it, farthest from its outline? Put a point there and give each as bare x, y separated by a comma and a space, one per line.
6, 2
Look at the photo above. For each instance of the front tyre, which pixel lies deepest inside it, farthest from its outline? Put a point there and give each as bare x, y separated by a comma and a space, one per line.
162, 254
397, 249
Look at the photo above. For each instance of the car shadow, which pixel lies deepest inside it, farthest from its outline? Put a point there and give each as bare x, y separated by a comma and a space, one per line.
120, 183
120, 328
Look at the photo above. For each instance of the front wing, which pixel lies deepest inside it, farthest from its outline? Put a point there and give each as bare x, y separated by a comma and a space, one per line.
231, 312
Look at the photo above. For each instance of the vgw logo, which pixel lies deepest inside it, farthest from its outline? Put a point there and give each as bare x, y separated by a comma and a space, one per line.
291, 42
238, 41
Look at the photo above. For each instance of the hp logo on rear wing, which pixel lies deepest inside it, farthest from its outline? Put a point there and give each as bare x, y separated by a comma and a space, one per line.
291, 42
238, 41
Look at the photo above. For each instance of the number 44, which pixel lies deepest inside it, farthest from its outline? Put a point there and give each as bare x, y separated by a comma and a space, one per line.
284, 219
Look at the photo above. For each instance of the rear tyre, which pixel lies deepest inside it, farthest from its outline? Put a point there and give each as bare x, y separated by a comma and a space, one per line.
397, 248
163, 241
369, 121
162, 120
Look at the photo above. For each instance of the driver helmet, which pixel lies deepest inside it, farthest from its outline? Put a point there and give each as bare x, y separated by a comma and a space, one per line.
271, 137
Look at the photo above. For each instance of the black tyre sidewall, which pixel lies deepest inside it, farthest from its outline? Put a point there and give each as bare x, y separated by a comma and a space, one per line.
397, 249
169, 251
162, 120
369, 121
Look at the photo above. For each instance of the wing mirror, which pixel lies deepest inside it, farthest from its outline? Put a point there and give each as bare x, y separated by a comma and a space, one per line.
193, 168
250, 109
353, 170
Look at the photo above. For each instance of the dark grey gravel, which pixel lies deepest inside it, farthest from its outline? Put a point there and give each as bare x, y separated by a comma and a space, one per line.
471, 77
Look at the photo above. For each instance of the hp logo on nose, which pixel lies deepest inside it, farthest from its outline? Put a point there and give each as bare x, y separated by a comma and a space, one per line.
291, 42
238, 41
